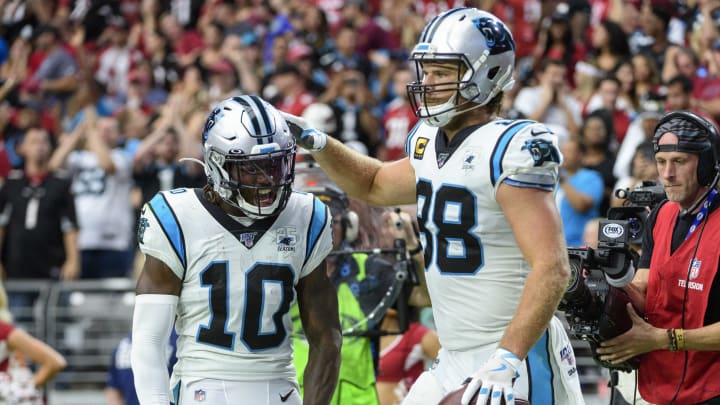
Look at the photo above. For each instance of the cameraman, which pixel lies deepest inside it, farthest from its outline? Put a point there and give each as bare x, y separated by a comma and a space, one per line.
679, 337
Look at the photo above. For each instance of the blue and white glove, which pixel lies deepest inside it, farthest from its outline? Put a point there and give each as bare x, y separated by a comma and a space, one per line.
494, 379
305, 136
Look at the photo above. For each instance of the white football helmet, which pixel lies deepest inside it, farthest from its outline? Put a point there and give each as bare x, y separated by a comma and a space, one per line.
249, 155
470, 37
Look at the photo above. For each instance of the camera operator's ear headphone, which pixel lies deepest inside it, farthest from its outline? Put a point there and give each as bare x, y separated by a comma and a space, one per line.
349, 219
350, 223
709, 162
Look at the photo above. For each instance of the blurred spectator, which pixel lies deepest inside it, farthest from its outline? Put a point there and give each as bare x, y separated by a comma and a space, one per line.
580, 192
212, 34
223, 82
89, 95
607, 97
163, 62
16, 124
399, 118
401, 21
352, 103
655, 18
370, 36
346, 55
38, 214
102, 179
640, 130
678, 93
550, 101
117, 59
647, 80
315, 78
156, 166
610, 46
555, 41
316, 32
187, 43
597, 134
244, 53
141, 95
292, 93
680, 61
627, 99
15, 69
120, 386
55, 76
586, 77
643, 169
706, 92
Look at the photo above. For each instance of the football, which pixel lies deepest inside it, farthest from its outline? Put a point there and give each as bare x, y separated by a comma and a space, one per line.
454, 397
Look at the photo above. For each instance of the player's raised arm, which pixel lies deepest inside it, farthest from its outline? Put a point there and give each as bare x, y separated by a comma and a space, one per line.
317, 300
362, 177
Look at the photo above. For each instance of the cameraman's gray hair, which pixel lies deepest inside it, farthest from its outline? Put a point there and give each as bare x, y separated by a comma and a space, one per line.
692, 138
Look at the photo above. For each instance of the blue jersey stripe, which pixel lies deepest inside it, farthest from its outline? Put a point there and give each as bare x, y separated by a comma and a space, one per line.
526, 184
317, 223
409, 137
176, 394
170, 225
499, 152
540, 371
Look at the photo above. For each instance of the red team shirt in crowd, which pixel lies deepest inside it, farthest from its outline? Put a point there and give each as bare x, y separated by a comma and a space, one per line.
398, 121
403, 360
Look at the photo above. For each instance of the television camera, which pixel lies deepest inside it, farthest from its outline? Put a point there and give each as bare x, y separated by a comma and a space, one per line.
599, 290
596, 298
640, 201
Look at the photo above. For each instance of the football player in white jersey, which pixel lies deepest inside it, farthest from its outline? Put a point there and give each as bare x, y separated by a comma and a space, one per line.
224, 264
495, 256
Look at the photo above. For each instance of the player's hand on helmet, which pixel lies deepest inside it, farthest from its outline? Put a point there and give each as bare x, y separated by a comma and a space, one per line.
494, 379
305, 136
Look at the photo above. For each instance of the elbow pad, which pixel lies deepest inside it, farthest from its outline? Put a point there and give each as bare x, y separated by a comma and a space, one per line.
153, 320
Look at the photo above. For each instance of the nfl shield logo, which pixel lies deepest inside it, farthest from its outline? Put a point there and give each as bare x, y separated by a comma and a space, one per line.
199, 395
248, 239
695, 269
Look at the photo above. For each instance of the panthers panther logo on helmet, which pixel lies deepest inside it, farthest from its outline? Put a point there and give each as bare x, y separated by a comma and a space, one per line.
496, 35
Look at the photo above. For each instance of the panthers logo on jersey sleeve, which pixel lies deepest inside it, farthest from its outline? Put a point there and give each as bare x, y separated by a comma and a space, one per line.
531, 159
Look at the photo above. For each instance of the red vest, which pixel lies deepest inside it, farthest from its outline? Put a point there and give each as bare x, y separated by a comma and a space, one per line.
661, 371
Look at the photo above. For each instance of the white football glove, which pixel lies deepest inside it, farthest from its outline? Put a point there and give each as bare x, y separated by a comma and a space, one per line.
494, 379
305, 136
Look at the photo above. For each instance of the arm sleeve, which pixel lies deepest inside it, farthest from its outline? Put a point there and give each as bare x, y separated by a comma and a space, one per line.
152, 324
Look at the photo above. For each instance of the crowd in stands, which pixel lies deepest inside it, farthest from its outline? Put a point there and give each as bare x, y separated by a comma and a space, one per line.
103, 98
